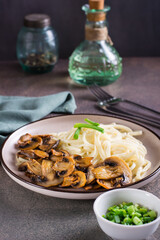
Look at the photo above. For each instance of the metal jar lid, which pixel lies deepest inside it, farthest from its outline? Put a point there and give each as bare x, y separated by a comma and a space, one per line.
37, 20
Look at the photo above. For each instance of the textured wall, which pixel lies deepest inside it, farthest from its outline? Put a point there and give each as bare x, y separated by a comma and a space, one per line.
134, 25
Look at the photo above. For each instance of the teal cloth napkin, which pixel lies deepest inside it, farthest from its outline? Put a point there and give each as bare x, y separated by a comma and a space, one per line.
16, 111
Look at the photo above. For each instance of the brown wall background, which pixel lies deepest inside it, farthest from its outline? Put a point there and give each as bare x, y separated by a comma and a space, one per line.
134, 25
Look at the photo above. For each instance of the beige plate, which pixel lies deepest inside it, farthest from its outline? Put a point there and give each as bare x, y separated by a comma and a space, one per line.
63, 123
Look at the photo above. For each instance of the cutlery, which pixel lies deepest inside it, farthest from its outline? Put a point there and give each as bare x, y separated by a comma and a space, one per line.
102, 95
107, 104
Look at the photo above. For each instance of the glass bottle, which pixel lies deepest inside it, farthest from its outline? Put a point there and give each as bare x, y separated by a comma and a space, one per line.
37, 44
95, 60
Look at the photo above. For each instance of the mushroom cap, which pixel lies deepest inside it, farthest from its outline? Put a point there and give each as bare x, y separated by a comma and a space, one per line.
113, 172
82, 162
32, 143
90, 176
34, 166
41, 153
47, 170
81, 179
69, 180
24, 138
65, 166
48, 143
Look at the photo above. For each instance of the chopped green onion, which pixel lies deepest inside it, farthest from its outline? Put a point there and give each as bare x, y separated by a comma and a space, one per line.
130, 214
137, 221
131, 210
136, 214
127, 221
91, 122
142, 210
117, 219
76, 134
85, 125
152, 214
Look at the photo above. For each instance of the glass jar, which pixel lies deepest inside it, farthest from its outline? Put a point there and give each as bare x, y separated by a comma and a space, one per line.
95, 60
37, 44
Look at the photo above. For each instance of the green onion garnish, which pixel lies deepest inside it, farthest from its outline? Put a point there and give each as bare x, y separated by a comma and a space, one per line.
92, 125
76, 134
91, 122
85, 125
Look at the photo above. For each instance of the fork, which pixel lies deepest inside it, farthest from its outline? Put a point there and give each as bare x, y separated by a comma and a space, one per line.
102, 95
107, 102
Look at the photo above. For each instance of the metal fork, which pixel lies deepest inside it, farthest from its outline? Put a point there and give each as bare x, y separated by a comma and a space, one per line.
107, 102
102, 95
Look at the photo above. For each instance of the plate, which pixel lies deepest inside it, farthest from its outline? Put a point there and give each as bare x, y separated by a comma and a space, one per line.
64, 123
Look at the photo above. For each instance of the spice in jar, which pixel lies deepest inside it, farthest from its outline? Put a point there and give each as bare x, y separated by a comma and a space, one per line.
37, 44
40, 61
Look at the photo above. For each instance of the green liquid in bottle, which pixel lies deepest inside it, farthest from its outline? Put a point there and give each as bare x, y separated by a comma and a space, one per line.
95, 60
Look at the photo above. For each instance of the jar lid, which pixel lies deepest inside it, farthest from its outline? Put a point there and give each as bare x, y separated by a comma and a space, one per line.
37, 20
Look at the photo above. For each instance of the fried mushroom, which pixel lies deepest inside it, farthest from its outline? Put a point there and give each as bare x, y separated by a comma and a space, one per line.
69, 180
90, 177
64, 167
48, 142
82, 162
47, 170
34, 166
113, 172
32, 142
80, 179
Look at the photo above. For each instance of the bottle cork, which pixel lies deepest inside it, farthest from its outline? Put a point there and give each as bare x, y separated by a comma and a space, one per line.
96, 4
97, 16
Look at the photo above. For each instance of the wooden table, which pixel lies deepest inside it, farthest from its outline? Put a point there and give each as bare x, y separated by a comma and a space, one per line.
26, 215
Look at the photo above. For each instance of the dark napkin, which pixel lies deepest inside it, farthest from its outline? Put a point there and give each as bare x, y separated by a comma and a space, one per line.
16, 111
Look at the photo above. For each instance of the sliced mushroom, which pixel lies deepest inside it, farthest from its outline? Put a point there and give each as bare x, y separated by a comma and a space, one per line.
55, 156
121, 175
41, 154
21, 157
49, 142
105, 183
81, 179
90, 175
32, 154
82, 162
64, 167
65, 153
69, 180
26, 154
42, 181
24, 138
112, 183
47, 170
127, 173
34, 178
33, 143
107, 172
56, 153
34, 166
55, 182
113, 167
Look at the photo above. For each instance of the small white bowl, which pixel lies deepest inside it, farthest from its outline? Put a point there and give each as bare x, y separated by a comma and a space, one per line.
124, 232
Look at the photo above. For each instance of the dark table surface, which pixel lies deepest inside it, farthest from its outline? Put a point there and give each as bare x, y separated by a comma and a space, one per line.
26, 215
